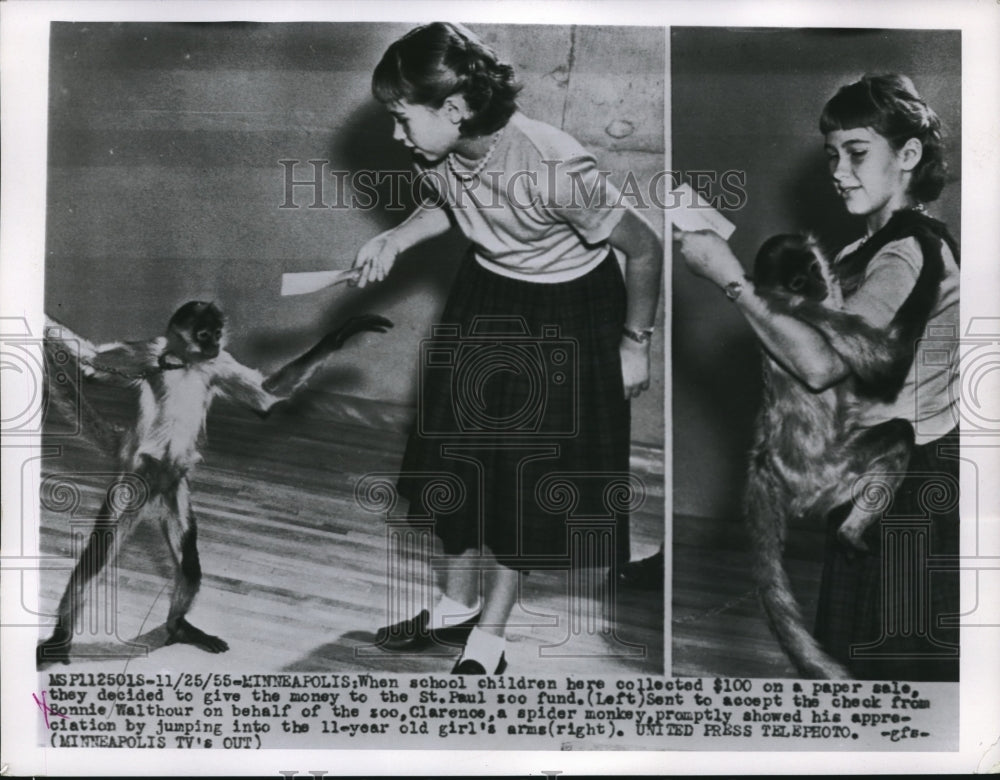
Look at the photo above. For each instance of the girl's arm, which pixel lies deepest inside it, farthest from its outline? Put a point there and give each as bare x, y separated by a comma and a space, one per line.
643, 270
798, 347
377, 256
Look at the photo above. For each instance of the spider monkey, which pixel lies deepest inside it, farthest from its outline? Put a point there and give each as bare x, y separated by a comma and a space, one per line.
810, 455
177, 377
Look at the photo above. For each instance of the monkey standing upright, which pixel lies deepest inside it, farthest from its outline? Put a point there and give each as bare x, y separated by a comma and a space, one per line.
810, 454
177, 377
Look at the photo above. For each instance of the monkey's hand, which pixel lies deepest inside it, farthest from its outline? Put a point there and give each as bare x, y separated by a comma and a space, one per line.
281, 384
852, 531
335, 339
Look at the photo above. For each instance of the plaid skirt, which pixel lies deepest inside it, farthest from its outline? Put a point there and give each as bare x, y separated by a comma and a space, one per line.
522, 430
883, 614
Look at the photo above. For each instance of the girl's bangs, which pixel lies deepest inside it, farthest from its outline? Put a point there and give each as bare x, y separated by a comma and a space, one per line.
388, 84
849, 117
852, 107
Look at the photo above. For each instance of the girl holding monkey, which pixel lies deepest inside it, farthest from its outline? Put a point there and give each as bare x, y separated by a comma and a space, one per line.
883, 145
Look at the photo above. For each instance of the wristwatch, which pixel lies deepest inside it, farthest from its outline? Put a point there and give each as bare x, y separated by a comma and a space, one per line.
640, 336
734, 290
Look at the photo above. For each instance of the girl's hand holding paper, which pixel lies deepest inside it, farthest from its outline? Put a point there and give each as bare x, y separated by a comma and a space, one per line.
708, 255
701, 233
376, 258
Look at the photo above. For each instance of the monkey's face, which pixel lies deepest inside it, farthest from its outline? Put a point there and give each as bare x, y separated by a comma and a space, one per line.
790, 263
196, 332
208, 338
802, 276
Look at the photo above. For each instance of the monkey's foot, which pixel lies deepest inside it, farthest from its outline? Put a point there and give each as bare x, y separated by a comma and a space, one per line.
184, 633
851, 533
55, 649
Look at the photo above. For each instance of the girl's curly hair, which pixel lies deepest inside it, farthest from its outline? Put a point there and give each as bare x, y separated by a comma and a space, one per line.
440, 59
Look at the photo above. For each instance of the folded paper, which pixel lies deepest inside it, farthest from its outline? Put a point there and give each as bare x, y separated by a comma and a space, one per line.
690, 211
311, 281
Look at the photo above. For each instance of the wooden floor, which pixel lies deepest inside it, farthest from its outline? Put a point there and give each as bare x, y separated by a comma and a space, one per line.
718, 627
295, 571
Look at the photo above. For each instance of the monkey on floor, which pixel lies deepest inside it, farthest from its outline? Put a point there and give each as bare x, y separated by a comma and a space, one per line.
810, 455
177, 377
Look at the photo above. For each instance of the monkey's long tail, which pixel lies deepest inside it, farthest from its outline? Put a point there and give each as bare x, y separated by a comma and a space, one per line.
780, 605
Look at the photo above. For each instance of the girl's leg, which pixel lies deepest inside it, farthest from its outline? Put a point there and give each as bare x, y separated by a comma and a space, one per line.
484, 650
501, 593
448, 619
461, 579
460, 591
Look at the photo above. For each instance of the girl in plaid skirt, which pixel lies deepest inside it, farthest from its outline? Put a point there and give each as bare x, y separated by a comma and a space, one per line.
525, 384
888, 609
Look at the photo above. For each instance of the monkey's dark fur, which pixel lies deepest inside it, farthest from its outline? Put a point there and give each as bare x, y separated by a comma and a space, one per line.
177, 376
810, 455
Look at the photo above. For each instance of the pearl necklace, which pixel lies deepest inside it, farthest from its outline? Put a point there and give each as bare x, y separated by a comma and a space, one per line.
466, 177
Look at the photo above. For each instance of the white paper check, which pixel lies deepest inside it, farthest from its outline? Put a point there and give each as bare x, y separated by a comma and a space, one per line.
690, 211
311, 281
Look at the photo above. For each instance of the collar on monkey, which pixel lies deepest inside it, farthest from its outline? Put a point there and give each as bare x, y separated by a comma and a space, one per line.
166, 362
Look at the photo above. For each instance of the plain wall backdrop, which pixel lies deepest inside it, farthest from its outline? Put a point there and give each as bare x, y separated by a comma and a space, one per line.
750, 101
164, 185
164, 179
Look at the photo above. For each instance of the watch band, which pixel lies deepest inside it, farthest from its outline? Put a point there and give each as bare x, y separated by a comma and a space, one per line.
734, 290
640, 336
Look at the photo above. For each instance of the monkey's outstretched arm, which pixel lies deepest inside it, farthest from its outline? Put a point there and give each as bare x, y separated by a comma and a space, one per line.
123, 363
68, 356
242, 383
56, 332
248, 385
